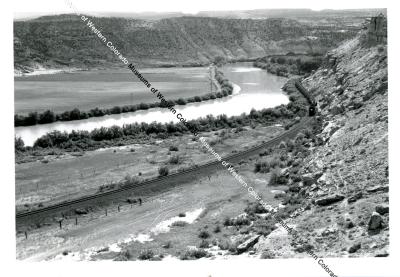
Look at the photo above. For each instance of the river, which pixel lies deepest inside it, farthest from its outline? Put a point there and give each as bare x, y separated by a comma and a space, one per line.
253, 89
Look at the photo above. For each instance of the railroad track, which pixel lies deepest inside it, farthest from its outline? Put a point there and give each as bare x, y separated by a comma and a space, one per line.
163, 182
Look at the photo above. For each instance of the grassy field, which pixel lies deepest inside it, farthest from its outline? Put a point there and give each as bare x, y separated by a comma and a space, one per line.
105, 88
57, 178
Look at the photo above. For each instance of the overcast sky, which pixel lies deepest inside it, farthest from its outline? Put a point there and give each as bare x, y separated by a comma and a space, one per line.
28, 8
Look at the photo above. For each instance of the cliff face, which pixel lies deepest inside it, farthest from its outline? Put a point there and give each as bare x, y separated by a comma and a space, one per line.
348, 214
59, 41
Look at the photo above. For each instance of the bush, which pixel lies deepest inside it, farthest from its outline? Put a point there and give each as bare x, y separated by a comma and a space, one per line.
204, 234
255, 208
146, 254
204, 244
19, 144
262, 167
174, 159
163, 171
217, 229
173, 148
239, 221
179, 223
193, 254
275, 177
181, 214
267, 255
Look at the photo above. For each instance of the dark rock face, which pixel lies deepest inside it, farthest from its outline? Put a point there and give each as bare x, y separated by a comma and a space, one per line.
378, 188
324, 201
375, 222
382, 209
247, 244
355, 197
354, 248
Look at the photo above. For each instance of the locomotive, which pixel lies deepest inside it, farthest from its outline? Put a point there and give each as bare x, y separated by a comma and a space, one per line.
312, 109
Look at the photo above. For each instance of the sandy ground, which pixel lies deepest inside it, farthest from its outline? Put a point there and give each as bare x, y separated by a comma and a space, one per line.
204, 201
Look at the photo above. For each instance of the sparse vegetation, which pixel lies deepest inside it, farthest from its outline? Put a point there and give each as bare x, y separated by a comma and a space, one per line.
193, 254
238, 221
204, 234
173, 148
174, 159
179, 223
283, 65
146, 254
163, 171
204, 244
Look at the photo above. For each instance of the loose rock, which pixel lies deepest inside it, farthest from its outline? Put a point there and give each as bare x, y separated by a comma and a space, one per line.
354, 248
375, 222
324, 201
247, 244
384, 188
382, 209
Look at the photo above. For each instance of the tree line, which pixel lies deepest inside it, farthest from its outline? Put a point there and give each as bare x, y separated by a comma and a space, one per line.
49, 116
115, 135
289, 64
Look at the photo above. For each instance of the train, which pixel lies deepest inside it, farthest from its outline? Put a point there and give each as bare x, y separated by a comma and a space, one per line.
312, 110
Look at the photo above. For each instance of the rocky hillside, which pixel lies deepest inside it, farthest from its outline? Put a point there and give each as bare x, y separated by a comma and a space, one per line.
347, 173
65, 41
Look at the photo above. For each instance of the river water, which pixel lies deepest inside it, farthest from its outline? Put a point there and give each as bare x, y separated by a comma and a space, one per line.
253, 89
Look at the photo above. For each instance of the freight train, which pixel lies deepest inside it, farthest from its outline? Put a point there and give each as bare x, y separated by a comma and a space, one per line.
312, 110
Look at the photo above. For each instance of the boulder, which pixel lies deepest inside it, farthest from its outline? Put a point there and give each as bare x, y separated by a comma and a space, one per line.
250, 242
354, 248
375, 222
330, 199
80, 211
384, 188
382, 209
382, 253
355, 197
131, 200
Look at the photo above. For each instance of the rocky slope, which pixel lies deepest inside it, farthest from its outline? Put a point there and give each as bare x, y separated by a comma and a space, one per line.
348, 214
64, 41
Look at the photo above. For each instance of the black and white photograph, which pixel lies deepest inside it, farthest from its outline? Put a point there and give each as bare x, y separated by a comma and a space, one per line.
149, 133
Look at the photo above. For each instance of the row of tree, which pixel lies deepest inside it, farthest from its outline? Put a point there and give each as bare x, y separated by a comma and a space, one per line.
49, 116
282, 65
84, 140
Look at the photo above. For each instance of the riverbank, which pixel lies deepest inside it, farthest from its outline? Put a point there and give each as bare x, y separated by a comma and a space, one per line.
264, 91
222, 87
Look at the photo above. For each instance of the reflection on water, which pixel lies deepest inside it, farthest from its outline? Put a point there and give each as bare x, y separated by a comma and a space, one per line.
254, 89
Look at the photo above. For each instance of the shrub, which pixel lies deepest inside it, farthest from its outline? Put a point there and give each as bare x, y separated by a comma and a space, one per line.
173, 148
275, 177
19, 144
262, 167
204, 244
179, 223
217, 229
239, 221
181, 214
267, 255
255, 208
193, 254
163, 171
204, 234
174, 159
181, 101
146, 254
